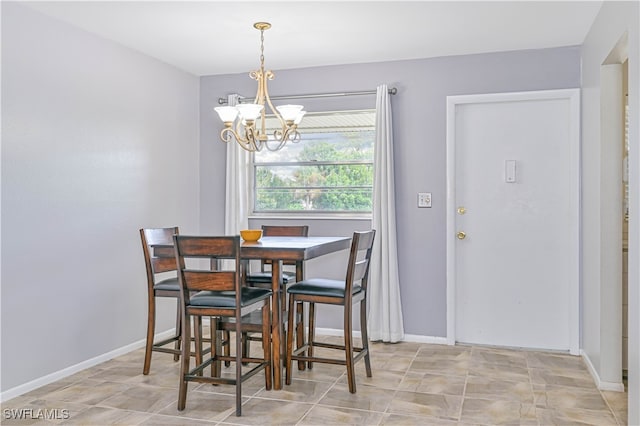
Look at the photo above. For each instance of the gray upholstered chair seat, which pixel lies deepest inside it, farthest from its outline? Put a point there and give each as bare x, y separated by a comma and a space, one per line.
170, 284
321, 287
227, 299
265, 277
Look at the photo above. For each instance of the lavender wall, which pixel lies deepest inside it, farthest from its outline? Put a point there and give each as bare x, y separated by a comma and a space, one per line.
97, 142
419, 132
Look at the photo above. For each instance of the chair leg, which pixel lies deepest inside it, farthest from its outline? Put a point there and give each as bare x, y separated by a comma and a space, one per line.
312, 332
178, 328
227, 347
283, 329
197, 332
348, 349
214, 350
184, 365
365, 335
216, 337
289, 347
245, 347
300, 311
266, 344
151, 326
284, 334
300, 331
238, 368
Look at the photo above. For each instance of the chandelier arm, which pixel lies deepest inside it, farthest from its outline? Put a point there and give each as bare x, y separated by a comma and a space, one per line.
260, 77
294, 136
260, 97
290, 134
251, 136
257, 76
228, 135
269, 75
247, 141
277, 147
282, 136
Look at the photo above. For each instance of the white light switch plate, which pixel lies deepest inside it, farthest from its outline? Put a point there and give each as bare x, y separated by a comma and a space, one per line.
424, 199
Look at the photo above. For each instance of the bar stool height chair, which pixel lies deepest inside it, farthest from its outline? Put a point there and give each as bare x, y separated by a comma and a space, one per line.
343, 293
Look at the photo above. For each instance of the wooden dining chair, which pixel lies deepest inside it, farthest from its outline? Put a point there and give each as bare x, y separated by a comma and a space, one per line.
159, 285
345, 293
218, 293
292, 271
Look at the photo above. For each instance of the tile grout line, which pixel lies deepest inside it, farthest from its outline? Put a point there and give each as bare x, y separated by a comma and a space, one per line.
464, 388
395, 392
315, 404
535, 400
613, 412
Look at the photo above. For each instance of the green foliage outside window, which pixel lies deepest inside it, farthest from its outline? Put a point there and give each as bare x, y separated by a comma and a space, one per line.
325, 172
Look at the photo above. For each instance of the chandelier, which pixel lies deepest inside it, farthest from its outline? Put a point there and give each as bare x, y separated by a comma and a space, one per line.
246, 122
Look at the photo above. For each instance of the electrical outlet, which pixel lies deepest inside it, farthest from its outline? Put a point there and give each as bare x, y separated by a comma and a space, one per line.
424, 199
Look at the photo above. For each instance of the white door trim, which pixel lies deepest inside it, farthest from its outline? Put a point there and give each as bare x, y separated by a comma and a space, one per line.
573, 96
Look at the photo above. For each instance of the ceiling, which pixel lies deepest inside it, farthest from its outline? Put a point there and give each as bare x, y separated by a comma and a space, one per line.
217, 37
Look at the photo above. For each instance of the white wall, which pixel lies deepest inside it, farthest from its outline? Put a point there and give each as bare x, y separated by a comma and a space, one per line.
614, 19
97, 142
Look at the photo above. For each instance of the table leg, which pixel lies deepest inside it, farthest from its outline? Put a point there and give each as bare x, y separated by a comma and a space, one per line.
276, 324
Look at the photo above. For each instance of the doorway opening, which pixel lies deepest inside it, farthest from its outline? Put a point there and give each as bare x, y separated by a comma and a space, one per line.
613, 219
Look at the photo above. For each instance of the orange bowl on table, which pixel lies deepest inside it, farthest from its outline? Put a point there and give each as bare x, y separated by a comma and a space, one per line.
251, 235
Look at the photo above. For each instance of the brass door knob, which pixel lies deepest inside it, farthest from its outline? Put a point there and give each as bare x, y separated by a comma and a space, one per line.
462, 210
461, 235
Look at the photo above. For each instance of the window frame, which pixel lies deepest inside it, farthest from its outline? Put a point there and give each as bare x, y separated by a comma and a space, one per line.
309, 214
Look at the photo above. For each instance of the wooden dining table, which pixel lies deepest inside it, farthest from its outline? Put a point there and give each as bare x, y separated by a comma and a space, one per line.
277, 250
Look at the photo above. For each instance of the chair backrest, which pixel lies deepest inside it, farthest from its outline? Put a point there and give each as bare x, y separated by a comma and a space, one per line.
359, 260
193, 278
283, 231
155, 263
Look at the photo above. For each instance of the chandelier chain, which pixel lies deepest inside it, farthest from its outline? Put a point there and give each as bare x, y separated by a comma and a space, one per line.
262, 49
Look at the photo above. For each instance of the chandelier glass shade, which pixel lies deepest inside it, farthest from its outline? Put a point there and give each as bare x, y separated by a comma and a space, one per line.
246, 122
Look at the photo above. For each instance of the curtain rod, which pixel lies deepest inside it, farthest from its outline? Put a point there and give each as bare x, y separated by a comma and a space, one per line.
392, 91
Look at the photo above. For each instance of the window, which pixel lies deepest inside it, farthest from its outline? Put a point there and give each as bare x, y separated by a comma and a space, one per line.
330, 170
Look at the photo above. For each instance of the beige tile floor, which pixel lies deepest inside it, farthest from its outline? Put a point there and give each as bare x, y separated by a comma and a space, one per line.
412, 384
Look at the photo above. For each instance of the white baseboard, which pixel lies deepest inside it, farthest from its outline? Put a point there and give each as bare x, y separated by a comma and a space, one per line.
332, 332
426, 339
65, 372
605, 386
407, 337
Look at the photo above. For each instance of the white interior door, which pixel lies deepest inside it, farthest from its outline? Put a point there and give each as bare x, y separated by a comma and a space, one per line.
513, 219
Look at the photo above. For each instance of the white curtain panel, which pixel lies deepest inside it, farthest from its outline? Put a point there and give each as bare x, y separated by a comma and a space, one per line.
236, 215
385, 307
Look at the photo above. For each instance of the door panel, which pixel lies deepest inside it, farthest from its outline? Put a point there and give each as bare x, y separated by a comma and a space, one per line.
516, 269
